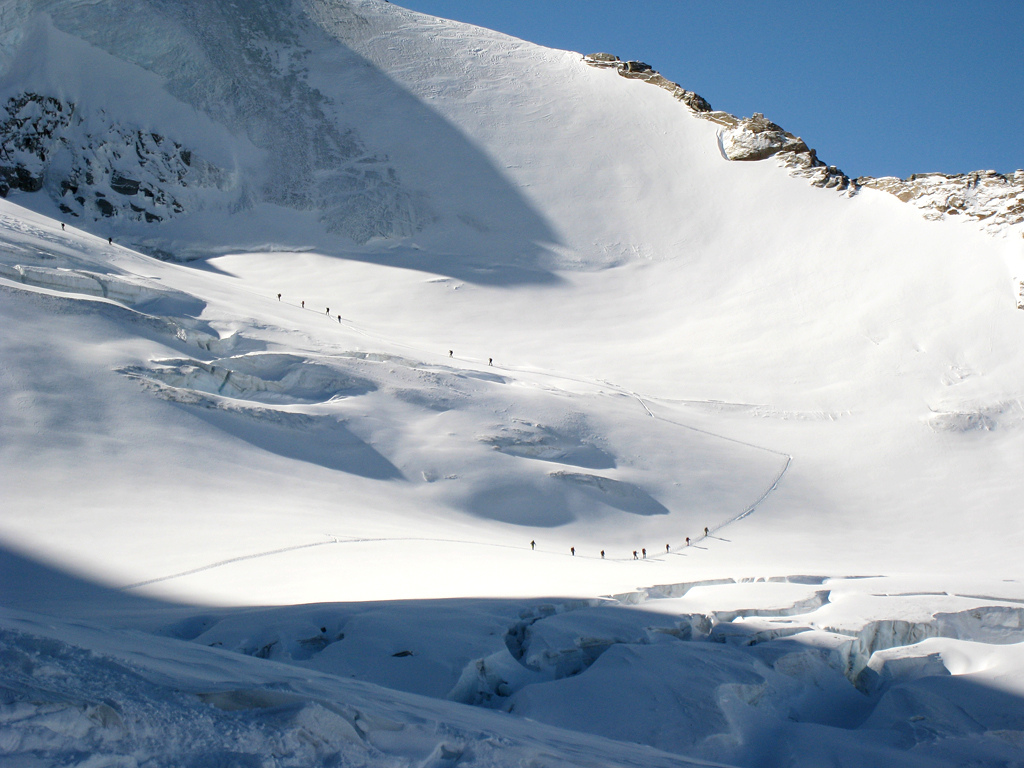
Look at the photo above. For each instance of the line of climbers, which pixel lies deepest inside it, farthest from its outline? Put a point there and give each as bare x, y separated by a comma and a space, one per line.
451, 353
641, 555
302, 304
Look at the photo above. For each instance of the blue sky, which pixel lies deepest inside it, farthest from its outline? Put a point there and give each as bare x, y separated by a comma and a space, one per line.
878, 88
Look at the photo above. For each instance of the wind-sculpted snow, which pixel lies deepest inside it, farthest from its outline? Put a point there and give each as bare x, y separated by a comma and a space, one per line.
970, 417
116, 288
285, 378
560, 498
320, 440
536, 441
302, 681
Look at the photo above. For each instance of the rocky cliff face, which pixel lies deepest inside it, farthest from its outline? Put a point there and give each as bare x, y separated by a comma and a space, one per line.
993, 199
109, 170
223, 116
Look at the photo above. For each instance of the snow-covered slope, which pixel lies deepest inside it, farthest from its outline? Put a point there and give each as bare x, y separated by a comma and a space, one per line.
444, 294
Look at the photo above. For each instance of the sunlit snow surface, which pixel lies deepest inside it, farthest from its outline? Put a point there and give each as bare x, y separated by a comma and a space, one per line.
831, 386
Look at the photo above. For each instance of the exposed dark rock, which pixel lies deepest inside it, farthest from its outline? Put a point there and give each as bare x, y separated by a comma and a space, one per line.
123, 185
752, 138
631, 67
34, 128
638, 70
18, 178
995, 199
105, 207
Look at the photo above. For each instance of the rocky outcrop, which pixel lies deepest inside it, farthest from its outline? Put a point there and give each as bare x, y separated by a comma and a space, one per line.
27, 133
748, 138
638, 70
755, 138
993, 199
104, 170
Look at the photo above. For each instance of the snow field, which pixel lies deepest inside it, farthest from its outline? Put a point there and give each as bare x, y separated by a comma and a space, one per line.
285, 528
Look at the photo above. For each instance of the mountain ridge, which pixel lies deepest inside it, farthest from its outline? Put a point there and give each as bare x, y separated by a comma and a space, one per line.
996, 199
641, 447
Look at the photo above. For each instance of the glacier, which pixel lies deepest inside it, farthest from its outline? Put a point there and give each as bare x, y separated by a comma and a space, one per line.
376, 389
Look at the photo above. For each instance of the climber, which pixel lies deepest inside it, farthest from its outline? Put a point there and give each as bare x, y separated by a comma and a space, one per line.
303, 303
644, 550
450, 353
339, 318
572, 551
533, 545
328, 310
706, 532
490, 361
634, 555
279, 297
687, 541
602, 554
62, 226
666, 548
110, 241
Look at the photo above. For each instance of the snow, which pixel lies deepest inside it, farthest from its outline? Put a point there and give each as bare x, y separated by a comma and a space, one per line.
307, 533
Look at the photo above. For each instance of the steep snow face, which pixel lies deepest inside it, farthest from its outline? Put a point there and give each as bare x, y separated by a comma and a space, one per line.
92, 89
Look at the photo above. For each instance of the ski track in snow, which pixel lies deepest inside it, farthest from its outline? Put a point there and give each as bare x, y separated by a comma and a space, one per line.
428, 539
